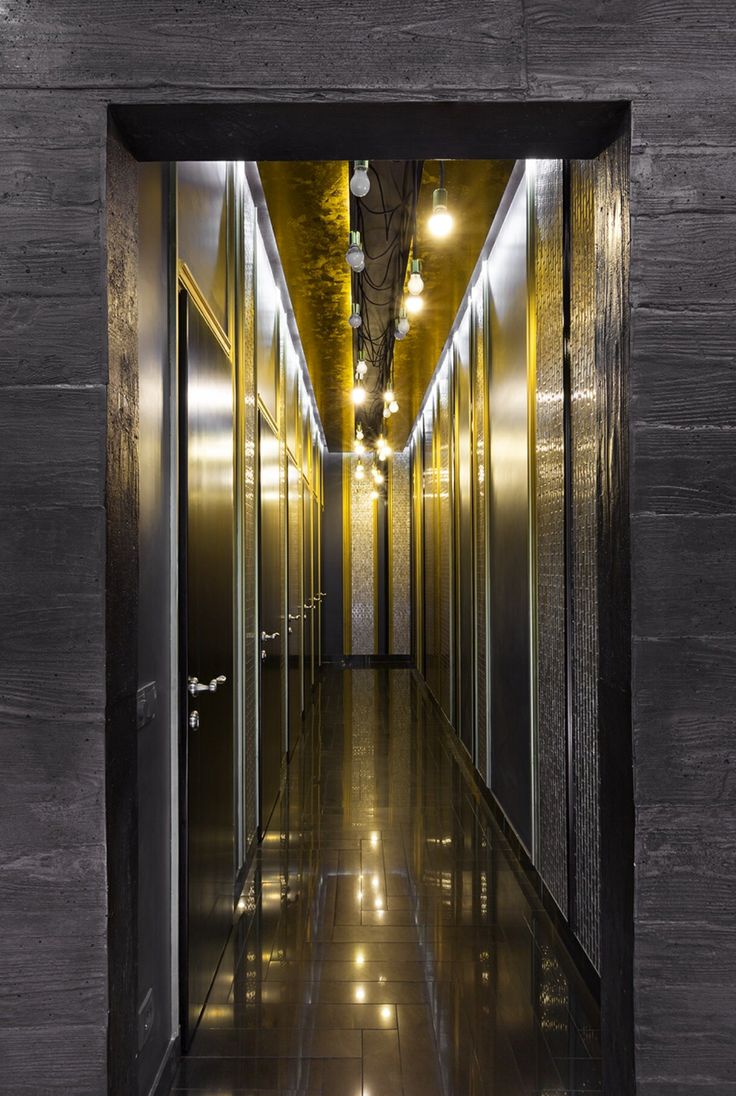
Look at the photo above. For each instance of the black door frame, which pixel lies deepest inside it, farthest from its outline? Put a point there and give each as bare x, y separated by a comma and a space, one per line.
338, 129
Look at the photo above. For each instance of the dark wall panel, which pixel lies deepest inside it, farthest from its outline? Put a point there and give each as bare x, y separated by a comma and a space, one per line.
332, 557
510, 651
154, 622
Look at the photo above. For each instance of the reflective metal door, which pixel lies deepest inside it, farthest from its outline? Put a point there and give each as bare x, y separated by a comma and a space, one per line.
207, 656
464, 617
295, 605
309, 592
270, 624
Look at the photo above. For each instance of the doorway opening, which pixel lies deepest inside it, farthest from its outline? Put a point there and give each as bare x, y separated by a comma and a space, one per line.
299, 519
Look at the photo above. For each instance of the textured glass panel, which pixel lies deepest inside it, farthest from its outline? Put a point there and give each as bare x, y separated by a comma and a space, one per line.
400, 553
584, 202
362, 564
550, 533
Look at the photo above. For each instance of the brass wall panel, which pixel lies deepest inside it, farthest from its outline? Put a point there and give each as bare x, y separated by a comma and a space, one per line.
400, 544
362, 564
585, 199
202, 230
550, 531
511, 700
481, 560
267, 332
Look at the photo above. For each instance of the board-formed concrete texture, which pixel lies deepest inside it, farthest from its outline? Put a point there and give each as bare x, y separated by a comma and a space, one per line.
61, 65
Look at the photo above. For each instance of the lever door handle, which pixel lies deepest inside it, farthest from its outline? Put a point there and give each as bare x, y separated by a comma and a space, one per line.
269, 635
295, 616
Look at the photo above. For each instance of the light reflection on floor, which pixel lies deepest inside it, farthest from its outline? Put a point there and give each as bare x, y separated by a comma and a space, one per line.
386, 943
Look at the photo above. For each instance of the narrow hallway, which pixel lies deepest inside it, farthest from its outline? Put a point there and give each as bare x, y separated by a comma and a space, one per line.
387, 941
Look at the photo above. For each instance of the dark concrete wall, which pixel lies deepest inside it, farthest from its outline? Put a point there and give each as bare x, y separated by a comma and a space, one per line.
60, 67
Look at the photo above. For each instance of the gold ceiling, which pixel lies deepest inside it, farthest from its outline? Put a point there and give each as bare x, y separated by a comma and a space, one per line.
308, 204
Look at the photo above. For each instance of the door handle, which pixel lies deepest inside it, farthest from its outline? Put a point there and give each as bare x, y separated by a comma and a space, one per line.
308, 605
195, 686
269, 635
295, 616
194, 721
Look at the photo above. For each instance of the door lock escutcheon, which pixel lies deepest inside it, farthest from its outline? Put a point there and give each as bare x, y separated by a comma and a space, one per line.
193, 721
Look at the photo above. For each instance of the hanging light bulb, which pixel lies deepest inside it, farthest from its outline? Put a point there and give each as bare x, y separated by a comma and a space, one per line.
414, 305
360, 184
386, 412
377, 475
440, 223
398, 333
388, 395
358, 395
355, 319
402, 327
393, 406
361, 368
359, 447
359, 432
354, 256
375, 495
359, 471
415, 285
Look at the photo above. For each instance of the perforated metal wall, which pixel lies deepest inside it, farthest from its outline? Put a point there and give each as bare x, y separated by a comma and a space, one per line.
585, 200
400, 518
550, 531
362, 565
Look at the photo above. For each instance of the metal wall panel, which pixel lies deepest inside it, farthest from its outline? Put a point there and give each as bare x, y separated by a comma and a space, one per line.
267, 335
400, 576
445, 539
248, 411
511, 701
362, 564
332, 557
550, 531
202, 230
463, 520
430, 585
584, 201
479, 349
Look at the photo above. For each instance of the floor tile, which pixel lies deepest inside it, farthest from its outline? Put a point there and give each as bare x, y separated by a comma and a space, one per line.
389, 944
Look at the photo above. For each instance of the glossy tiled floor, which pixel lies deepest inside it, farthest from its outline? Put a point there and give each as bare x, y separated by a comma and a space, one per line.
387, 942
